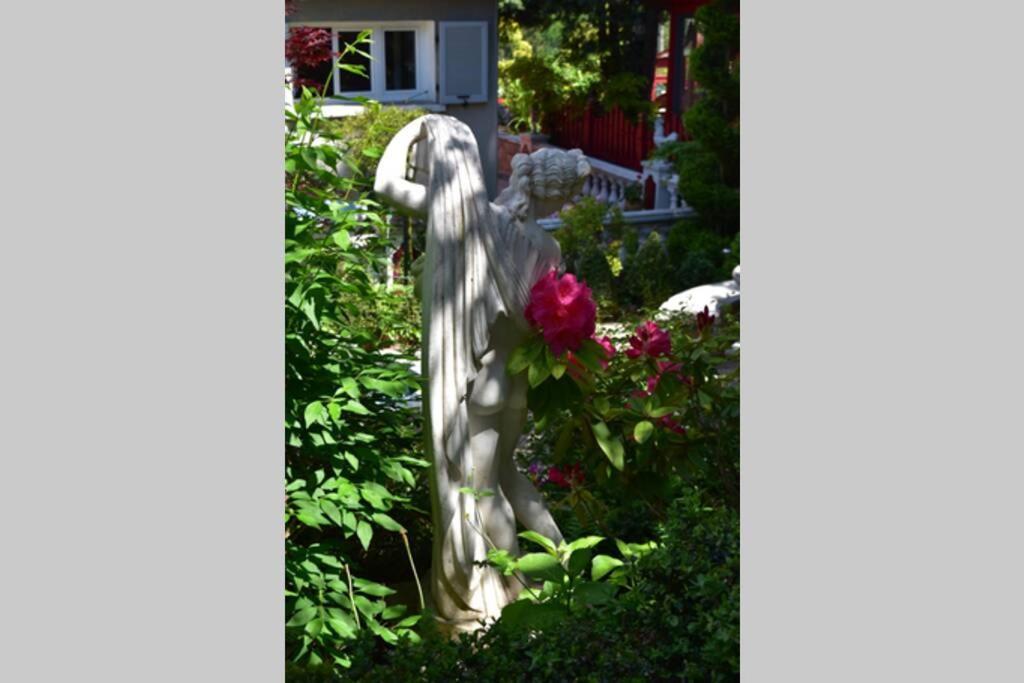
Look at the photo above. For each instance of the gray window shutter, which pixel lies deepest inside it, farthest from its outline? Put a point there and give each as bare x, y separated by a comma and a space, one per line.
464, 61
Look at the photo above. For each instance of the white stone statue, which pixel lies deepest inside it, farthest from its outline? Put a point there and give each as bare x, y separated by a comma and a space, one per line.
482, 259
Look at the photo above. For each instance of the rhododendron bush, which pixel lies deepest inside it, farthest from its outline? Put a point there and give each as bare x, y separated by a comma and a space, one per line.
629, 411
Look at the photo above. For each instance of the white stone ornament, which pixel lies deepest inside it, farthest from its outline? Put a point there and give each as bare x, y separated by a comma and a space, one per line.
482, 259
715, 296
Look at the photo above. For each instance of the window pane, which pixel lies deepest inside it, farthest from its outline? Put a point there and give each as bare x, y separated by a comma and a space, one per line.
348, 81
400, 59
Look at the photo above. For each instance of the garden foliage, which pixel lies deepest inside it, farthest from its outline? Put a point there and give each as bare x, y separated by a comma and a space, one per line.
627, 272
709, 164
635, 445
352, 442
675, 618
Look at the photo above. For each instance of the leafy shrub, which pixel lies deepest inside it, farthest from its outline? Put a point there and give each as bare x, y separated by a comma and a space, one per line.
646, 276
679, 622
708, 166
594, 268
694, 269
663, 409
365, 135
351, 441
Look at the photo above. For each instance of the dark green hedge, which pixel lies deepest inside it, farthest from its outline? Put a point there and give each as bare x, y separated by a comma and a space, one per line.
681, 623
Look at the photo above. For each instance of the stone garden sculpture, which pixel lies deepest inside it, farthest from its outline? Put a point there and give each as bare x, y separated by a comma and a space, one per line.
482, 259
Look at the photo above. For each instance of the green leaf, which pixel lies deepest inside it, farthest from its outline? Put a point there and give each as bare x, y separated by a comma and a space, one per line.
314, 627
377, 590
344, 628
365, 532
331, 510
348, 519
302, 616
385, 634
355, 407
351, 460
589, 593
477, 494
503, 560
655, 413
543, 541
643, 431
521, 357
557, 370
612, 446
375, 494
313, 412
539, 371
641, 549
341, 238
541, 566
386, 522
585, 542
393, 612
602, 565
409, 621
578, 561
590, 355
350, 387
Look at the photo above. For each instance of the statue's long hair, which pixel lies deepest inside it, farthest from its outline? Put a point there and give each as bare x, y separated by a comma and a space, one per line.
472, 279
544, 174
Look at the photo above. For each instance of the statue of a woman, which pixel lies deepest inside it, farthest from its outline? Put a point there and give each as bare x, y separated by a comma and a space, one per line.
482, 259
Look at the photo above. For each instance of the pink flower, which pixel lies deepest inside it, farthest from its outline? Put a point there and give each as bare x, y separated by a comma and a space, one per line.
651, 340
556, 477
704, 320
564, 311
570, 478
665, 367
609, 350
673, 426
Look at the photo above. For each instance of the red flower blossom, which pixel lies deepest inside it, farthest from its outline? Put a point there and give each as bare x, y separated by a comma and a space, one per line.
564, 311
609, 350
651, 340
570, 478
671, 425
665, 367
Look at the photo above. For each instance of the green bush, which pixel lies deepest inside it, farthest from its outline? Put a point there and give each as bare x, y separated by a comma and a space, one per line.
680, 622
697, 255
364, 136
693, 270
647, 276
351, 442
708, 166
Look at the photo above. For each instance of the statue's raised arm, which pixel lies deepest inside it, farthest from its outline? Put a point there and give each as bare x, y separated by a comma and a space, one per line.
391, 182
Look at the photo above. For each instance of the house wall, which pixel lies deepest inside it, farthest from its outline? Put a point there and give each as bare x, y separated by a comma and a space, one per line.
481, 118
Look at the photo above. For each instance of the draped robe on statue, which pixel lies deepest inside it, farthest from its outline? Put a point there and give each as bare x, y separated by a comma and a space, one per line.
480, 264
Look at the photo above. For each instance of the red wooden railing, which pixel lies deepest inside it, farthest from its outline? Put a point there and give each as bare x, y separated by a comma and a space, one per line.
609, 136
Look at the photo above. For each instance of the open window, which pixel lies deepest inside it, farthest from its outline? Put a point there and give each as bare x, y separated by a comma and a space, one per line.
401, 67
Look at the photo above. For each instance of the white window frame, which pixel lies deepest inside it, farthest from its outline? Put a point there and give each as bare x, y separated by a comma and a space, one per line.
426, 60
